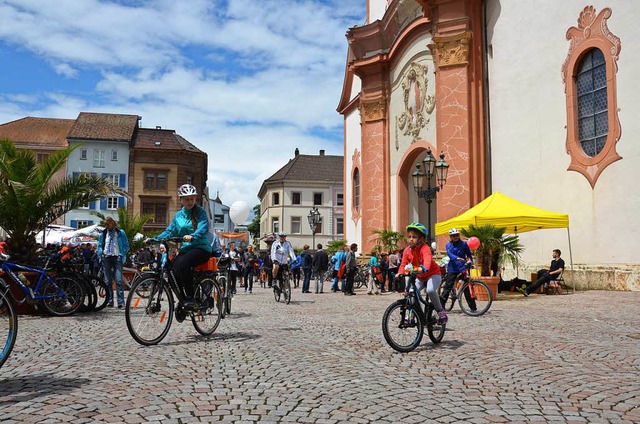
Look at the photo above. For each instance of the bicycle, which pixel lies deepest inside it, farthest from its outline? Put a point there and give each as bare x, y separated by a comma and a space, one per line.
285, 274
224, 282
404, 320
477, 294
60, 296
8, 322
150, 305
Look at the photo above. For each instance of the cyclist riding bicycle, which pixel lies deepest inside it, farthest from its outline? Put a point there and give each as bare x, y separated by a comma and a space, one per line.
192, 224
417, 256
281, 252
459, 255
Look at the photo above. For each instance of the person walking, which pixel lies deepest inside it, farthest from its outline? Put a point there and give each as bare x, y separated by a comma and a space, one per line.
250, 260
351, 267
337, 260
307, 263
394, 264
235, 258
113, 246
320, 265
295, 271
373, 268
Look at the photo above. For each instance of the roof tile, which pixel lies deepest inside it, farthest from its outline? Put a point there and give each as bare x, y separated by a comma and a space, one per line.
104, 126
46, 132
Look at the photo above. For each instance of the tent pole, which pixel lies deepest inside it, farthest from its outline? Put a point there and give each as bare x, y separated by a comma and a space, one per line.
573, 284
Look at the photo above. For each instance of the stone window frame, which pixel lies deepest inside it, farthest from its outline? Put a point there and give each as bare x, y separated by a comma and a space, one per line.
592, 32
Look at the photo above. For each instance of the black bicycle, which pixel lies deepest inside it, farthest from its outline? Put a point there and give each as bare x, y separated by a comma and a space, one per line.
477, 294
404, 320
285, 279
150, 305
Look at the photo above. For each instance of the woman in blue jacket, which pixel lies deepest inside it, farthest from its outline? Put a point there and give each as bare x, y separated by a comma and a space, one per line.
192, 224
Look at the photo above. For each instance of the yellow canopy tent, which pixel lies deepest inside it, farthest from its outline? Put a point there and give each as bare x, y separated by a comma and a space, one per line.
503, 211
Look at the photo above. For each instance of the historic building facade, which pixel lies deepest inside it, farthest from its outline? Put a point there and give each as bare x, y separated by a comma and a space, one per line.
288, 196
525, 98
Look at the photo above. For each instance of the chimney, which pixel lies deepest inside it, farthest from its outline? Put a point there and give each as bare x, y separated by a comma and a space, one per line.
297, 152
158, 127
321, 152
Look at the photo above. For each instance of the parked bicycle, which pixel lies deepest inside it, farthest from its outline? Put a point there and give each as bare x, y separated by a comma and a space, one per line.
8, 322
151, 304
477, 294
285, 290
404, 321
224, 282
59, 296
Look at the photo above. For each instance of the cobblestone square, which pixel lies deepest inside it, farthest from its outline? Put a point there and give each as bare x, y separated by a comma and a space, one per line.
323, 359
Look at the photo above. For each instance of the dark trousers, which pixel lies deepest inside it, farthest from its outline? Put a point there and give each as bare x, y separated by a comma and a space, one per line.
348, 287
544, 278
296, 277
233, 277
248, 279
449, 282
307, 279
183, 267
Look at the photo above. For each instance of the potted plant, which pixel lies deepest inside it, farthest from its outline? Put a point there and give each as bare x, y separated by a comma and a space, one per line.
496, 248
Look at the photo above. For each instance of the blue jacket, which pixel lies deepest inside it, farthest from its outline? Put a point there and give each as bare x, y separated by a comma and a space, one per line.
123, 244
339, 257
297, 263
181, 225
456, 250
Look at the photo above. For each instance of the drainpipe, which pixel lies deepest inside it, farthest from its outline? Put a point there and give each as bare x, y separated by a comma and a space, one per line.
487, 114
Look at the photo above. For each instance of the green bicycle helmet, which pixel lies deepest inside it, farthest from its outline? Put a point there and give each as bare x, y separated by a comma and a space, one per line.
418, 227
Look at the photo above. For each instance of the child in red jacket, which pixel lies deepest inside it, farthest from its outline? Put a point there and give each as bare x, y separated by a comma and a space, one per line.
418, 256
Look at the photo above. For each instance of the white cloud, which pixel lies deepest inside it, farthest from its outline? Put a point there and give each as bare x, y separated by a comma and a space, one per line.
245, 81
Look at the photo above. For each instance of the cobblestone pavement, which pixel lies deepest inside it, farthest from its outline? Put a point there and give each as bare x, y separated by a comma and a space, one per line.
322, 359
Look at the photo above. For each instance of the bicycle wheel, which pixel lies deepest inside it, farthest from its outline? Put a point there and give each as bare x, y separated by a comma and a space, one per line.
8, 325
90, 296
228, 296
435, 330
65, 296
476, 301
450, 301
102, 293
276, 291
402, 326
206, 319
149, 316
286, 289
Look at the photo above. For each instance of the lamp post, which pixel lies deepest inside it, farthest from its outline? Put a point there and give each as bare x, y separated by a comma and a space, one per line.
314, 220
422, 181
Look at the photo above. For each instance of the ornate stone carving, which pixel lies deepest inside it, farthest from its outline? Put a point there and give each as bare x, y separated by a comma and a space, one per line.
417, 104
373, 110
451, 50
592, 33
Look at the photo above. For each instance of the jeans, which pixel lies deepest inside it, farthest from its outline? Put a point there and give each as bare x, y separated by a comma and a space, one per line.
113, 269
319, 280
307, 279
248, 280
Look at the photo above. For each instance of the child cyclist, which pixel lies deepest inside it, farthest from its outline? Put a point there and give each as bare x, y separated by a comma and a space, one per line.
417, 256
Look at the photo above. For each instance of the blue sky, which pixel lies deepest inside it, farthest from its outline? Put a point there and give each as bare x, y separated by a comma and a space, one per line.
246, 81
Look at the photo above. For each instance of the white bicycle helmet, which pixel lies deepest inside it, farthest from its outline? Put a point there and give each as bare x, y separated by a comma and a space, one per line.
454, 231
282, 234
187, 190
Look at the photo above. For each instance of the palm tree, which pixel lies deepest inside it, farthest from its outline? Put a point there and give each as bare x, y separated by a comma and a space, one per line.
30, 200
335, 245
131, 225
387, 240
496, 247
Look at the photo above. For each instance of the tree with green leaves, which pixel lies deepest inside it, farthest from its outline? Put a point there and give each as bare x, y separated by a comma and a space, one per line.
30, 199
387, 240
496, 247
131, 225
335, 245
254, 227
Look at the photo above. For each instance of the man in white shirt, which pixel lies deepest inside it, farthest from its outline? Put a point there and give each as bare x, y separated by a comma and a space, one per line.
281, 252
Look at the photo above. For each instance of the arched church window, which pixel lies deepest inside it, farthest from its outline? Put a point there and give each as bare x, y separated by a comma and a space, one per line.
356, 189
591, 88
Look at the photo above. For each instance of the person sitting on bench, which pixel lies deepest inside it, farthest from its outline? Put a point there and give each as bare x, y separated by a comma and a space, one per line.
556, 268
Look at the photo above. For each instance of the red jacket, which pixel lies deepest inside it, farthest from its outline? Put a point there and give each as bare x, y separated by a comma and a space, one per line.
418, 255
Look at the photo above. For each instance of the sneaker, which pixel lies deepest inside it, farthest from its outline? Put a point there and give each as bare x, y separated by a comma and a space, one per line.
120, 306
523, 291
442, 317
110, 305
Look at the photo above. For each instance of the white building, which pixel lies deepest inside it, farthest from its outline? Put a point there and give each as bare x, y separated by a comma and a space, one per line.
289, 195
526, 98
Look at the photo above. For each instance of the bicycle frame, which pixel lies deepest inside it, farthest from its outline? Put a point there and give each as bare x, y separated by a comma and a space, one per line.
10, 268
411, 284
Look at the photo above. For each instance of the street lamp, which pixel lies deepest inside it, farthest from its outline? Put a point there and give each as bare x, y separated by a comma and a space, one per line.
422, 181
314, 219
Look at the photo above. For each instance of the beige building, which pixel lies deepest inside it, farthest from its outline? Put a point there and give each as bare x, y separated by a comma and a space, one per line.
289, 195
160, 162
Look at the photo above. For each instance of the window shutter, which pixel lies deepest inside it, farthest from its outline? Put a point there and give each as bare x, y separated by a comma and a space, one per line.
103, 203
92, 205
120, 202
74, 223
123, 182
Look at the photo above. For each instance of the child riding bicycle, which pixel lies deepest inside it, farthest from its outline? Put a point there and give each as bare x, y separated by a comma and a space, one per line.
418, 256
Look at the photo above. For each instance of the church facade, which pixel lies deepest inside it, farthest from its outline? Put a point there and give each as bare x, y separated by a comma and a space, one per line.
526, 98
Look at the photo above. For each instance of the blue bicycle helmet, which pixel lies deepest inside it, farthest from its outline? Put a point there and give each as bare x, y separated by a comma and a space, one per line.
418, 227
